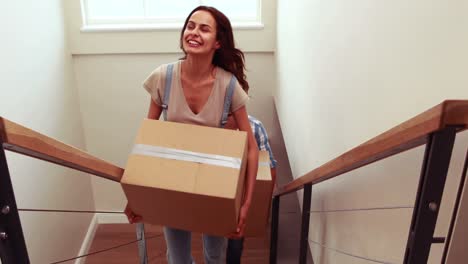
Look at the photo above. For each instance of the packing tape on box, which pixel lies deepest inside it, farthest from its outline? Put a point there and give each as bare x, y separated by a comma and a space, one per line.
178, 154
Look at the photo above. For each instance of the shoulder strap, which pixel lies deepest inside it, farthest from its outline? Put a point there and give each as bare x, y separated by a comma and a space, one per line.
167, 90
228, 100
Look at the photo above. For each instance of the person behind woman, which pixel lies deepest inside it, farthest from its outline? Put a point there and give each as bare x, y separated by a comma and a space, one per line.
198, 89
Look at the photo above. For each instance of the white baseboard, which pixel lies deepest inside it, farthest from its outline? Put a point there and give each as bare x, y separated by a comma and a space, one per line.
97, 219
112, 219
88, 240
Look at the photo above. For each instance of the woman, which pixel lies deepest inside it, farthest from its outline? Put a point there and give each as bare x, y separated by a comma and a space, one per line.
198, 87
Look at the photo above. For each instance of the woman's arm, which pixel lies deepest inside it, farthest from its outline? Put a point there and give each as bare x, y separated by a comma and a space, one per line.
154, 111
242, 121
273, 178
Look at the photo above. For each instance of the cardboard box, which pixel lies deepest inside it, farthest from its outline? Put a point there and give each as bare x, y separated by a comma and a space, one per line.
259, 211
166, 187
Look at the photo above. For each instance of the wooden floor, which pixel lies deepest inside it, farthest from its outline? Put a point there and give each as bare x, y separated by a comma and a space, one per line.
256, 250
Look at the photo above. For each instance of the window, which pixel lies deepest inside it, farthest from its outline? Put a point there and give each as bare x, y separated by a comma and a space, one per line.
163, 14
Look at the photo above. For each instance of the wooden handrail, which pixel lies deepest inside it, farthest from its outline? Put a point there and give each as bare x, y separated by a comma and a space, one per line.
407, 135
31, 143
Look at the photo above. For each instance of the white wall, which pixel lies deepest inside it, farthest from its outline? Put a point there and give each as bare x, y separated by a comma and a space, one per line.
347, 71
37, 90
113, 104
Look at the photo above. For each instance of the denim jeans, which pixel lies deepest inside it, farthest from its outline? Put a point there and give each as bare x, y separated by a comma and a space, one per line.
234, 251
179, 247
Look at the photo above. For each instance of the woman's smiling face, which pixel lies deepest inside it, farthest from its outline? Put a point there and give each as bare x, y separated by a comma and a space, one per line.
200, 34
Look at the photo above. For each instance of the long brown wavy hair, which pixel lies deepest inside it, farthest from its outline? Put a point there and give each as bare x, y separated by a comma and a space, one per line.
227, 56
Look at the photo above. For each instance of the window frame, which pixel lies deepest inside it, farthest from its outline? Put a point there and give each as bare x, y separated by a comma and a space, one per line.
152, 24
